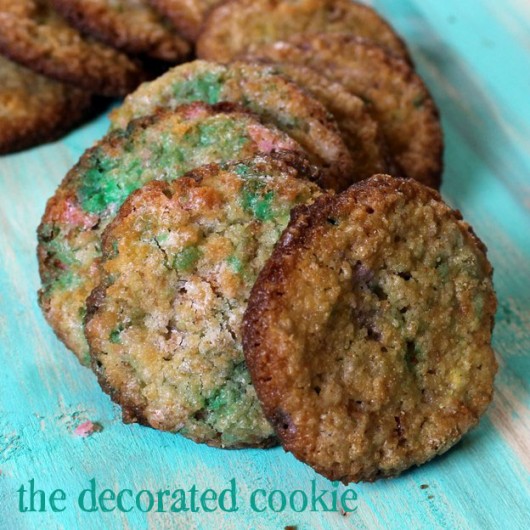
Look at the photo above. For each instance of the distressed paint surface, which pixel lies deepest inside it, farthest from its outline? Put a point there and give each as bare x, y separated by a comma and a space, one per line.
475, 57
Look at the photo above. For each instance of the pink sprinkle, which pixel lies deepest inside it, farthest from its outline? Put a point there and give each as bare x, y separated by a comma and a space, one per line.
87, 429
74, 214
267, 141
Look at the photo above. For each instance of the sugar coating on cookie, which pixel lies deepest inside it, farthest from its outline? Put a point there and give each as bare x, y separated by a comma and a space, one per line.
368, 333
159, 147
35, 109
259, 88
239, 25
179, 262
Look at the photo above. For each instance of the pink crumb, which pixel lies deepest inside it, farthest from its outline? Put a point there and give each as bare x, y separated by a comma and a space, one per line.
87, 429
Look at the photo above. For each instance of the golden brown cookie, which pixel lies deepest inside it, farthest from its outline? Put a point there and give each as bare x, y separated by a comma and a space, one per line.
237, 26
362, 134
368, 333
179, 262
396, 96
35, 109
187, 15
259, 88
128, 25
159, 147
32, 33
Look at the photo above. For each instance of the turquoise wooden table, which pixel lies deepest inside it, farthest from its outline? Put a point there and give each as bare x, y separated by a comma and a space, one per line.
475, 56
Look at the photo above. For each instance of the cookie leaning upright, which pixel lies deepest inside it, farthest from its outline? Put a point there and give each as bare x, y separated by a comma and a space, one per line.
159, 147
368, 333
360, 131
33, 34
238, 26
179, 262
35, 109
260, 88
395, 95
128, 25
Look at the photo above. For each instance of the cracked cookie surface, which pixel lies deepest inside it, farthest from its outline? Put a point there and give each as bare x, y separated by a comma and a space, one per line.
179, 262
159, 147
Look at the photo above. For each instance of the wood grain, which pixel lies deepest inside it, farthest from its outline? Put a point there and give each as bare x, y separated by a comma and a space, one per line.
474, 56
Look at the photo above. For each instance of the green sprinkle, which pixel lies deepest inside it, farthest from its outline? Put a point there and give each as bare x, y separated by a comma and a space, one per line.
186, 259
67, 280
114, 252
226, 137
235, 264
205, 87
168, 154
162, 237
114, 335
252, 200
108, 181
242, 170
219, 399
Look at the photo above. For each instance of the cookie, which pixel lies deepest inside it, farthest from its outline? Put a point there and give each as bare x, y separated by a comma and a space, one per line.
186, 15
397, 97
259, 88
361, 132
367, 335
33, 34
179, 262
160, 147
35, 109
238, 26
128, 25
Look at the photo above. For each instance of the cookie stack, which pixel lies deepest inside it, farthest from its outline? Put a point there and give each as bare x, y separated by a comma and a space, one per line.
231, 270
58, 54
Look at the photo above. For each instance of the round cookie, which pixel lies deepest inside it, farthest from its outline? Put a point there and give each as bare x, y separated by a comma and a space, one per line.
160, 147
187, 15
397, 97
259, 88
361, 133
180, 260
35, 109
368, 333
33, 34
128, 25
238, 26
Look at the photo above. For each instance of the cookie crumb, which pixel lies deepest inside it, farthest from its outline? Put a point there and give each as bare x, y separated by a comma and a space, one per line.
87, 428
